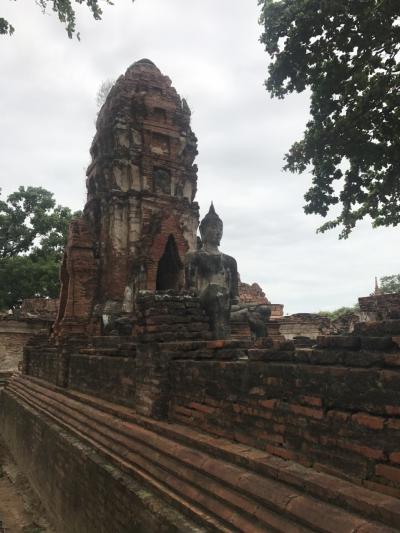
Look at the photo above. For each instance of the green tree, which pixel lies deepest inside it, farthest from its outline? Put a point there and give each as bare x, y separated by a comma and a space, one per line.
346, 52
27, 276
33, 232
390, 284
339, 313
65, 11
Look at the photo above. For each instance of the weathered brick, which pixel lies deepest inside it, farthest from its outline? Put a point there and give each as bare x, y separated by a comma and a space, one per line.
389, 472
307, 411
395, 457
371, 422
312, 400
268, 404
339, 341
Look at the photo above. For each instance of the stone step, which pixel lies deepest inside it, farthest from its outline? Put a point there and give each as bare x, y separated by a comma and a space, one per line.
236, 486
158, 470
125, 466
108, 352
380, 328
170, 336
186, 482
112, 340
355, 498
4, 378
328, 357
137, 474
370, 343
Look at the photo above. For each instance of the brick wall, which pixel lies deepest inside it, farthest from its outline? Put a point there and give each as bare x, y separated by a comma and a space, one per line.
335, 407
276, 311
168, 316
304, 325
42, 360
105, 367
14, 334
336, 410
252, 294
380, 306
44, 308
80, 489
110, 378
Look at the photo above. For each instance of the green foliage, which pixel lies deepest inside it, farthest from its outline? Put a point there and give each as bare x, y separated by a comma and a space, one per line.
339, 313
346, 53
65, 11
28, 277
33, 233
30, 219
5, 27
390, 284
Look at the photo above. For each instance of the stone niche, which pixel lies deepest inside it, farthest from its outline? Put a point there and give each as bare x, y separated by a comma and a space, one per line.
161, 181
170, 268
160, 144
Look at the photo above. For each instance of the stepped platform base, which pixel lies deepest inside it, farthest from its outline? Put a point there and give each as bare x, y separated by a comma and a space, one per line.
4, 377
101, 467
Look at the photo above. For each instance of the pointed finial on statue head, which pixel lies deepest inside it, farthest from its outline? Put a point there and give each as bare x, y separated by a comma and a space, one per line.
212, 208
211, 218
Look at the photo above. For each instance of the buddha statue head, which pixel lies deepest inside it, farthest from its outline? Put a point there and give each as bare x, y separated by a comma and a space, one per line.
211, 228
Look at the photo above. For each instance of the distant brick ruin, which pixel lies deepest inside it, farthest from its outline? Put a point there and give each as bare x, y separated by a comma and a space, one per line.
252, 294
35, 316
166, 398
379, 307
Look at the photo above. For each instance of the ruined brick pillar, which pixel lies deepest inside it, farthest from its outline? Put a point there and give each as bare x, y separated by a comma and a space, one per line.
140, 218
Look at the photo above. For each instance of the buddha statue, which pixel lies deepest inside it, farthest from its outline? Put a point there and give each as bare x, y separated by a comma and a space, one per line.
213, 275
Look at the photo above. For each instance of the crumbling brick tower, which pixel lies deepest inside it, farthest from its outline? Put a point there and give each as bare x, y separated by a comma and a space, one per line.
140, 218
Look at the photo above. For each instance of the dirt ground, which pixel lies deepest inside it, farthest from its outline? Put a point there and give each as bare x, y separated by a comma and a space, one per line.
20, 508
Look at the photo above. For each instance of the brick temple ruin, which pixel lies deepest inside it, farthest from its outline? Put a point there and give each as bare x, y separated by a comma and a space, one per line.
164, 398
35, 316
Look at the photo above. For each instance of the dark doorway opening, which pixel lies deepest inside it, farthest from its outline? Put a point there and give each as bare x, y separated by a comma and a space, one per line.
169, 267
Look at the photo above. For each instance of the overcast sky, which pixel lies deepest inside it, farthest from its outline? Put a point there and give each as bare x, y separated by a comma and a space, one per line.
211, 51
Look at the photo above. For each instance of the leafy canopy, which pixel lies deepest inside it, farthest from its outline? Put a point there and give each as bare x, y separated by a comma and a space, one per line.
346, 52
28, 276
33, 232
340, 313
65, 12
390, 284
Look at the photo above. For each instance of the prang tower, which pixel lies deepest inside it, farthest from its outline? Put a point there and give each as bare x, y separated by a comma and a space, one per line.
140, 218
